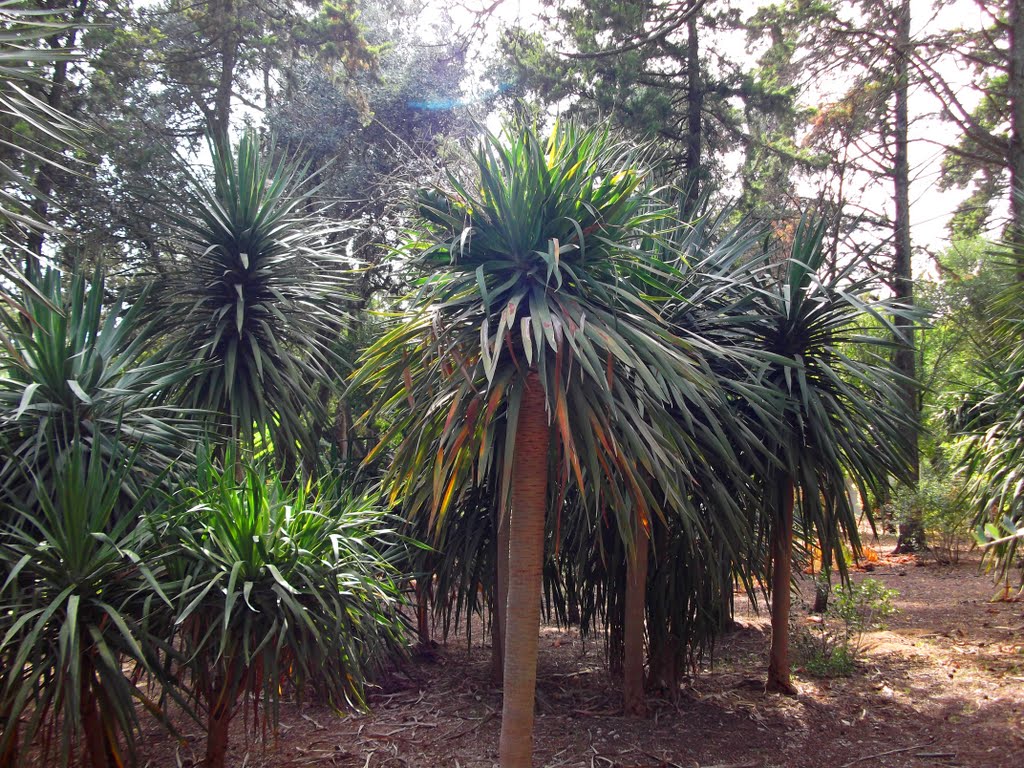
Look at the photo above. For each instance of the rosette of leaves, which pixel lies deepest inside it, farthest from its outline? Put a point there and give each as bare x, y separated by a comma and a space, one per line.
841, 413
253, 306
282, 589
79, 606
75, 370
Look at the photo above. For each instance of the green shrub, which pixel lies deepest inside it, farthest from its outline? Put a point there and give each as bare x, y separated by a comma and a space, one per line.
77, 593
937, 501
281, 590
831, 648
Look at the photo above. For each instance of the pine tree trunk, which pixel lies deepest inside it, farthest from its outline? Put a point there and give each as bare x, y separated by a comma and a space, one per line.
63, 42
220, 112
911, 530
692, 167
525, 574
633, 626
782, 572
1015, 149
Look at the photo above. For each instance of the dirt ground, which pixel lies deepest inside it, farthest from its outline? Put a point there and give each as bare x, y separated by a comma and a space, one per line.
942, 685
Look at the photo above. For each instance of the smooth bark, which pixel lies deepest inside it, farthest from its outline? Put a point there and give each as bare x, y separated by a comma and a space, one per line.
526, 559
782, 574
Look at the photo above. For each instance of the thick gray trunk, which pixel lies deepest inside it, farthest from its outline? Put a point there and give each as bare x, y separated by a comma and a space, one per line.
911, 535
1015, 150
694, 108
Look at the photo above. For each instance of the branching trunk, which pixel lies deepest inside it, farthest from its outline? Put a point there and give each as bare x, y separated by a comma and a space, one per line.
782, 573
633, 626
526, 560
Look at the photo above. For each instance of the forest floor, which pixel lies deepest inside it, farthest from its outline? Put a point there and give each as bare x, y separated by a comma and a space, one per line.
942, 685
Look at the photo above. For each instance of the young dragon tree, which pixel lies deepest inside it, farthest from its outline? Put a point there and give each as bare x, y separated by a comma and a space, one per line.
532, 347
842, 413
251, 306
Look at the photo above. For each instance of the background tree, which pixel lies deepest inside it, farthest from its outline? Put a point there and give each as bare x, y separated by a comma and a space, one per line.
657, 71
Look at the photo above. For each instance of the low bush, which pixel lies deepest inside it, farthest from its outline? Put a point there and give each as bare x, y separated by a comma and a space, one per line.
831, 646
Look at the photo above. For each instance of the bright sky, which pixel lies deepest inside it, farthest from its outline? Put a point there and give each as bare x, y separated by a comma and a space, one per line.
931, 207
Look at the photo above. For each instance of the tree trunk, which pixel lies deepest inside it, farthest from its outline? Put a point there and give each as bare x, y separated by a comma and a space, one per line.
423, 610
694, 122
43, 181
614, 622
1015, 150
525, 575
220, 124
218, 728
97, 754
9, 754
663, 655
782, 572
500, 599
911, 532
633, 626
727, 598
823, 582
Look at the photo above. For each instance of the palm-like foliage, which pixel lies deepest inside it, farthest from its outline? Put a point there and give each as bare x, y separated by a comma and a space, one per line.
73, 370
542, 268
279, 587
993, 459
252, 307
539, 276
27, 126
842, 411
27, 120
73, 610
